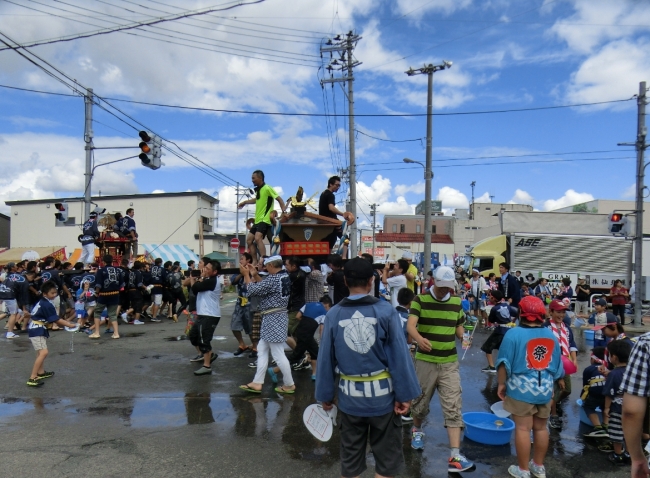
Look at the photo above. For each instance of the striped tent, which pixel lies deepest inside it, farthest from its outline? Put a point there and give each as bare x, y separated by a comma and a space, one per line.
170, 252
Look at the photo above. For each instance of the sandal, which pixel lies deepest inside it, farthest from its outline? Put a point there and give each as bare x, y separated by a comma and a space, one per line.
287, 391
115, 336
94, 336
246, 388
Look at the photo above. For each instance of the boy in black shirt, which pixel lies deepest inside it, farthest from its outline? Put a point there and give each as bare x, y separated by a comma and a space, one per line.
619, 353
593, 384
336, 278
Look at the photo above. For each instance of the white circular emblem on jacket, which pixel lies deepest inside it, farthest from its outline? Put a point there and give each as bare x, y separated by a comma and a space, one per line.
359, 332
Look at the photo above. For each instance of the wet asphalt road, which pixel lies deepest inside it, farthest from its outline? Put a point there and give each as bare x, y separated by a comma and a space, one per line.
132, 407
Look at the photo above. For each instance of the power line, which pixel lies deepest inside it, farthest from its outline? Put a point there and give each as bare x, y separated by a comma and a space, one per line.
509, 163
130, 26
368, 115
388, 140
502, 156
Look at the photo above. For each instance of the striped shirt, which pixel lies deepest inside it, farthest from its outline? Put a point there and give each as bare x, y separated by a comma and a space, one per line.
437, 322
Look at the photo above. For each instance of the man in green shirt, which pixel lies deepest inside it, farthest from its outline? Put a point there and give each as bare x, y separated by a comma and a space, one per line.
435, 322
263, 200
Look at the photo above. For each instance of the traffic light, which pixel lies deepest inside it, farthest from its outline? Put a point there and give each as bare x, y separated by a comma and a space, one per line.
62, 211
618, 224
151, 150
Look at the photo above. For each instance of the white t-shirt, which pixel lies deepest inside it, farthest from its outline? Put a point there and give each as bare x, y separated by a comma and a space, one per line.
394, 285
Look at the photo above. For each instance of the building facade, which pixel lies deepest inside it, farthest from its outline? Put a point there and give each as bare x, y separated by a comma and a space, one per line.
5, 231
608, 206
170, 218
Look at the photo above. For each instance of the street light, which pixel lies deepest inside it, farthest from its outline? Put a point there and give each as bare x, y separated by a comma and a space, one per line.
427, 212
429, 70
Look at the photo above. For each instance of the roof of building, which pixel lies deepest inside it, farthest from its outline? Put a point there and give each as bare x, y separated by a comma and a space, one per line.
412, 238
123, 196
4, 216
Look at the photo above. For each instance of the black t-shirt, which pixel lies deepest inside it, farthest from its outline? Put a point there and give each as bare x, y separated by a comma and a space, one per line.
341, 291
583, 296
326, 198
297, 296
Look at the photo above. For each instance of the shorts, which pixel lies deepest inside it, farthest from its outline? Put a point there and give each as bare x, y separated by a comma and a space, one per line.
333, 236
111, 309
591, 403
11, 306
80, 313
241, 319
39, 343
293, 324
493, 342
445, 377
57, 303
135, 298
124, 300
70, 302
615, 428
260, 227
156, 299
523, 409
91, 305
202, 331
582, 308
168, 296
557, 392
385, 436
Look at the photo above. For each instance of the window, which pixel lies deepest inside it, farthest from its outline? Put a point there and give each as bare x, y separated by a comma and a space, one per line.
417, 228
402, 228
69, 222
394, 227
433, 229
207, 224
483, 263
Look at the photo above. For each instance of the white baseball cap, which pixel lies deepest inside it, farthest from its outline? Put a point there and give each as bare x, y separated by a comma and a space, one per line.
444, 276
407, 255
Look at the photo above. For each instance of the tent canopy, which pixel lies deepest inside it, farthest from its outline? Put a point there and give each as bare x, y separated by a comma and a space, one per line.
170, 252
218, 256
15, 254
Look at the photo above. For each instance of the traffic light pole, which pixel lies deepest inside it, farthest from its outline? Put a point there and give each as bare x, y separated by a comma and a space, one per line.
88, 139
640, 186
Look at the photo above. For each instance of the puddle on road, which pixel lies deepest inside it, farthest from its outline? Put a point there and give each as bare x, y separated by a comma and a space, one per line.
13, 407
132, 334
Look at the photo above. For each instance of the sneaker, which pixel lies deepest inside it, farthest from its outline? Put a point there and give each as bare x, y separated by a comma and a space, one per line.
417, 439
597, 432
43, 375
125, 318
137, 322
407, 418
458, 464
273, 362
606, 447
253, 354
203, 371
538, 471
252, 364
620, 460
34, 382
489, 369
156, 319
214, 357
272, 374
517, 472
11, 335
239, 351
303, 364
313, 378
108, 331
555, 422
198, 358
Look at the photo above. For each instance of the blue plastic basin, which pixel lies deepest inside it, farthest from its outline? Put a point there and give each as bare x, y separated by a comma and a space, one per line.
481, 427
589, 335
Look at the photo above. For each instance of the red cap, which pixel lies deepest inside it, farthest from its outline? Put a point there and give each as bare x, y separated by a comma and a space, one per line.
557, 305
532, 308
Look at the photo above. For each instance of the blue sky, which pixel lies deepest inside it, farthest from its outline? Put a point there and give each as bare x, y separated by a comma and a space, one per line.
506, 55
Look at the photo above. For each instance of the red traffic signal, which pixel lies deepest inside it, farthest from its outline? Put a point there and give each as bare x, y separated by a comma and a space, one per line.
62, 211
616, 217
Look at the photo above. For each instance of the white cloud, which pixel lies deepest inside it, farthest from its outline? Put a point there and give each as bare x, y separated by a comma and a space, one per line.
570, 198
452, 198
417, 8
402, 189
629, 192
158, 191
611, 74
521, 197
485, 197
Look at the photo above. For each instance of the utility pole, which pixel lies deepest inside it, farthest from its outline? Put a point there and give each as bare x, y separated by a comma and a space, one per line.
344, 45
471, 208
373, 213
88, 139
237, 220
428, 70
640, 186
